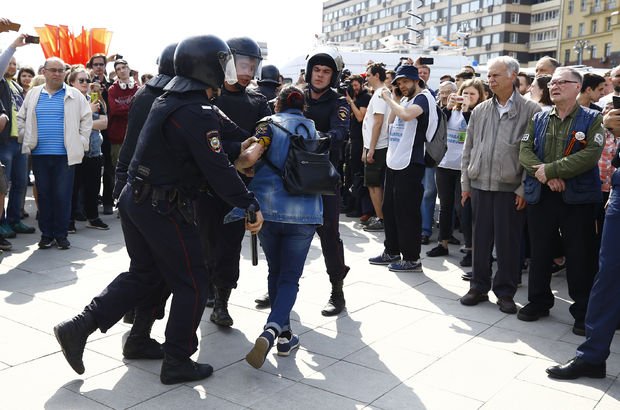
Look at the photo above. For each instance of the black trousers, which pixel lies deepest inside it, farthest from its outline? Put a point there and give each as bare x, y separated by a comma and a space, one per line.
577, 225
221, 243
401, 211
87, 180
108, 173
165, 255
448, 189
496, 222
331, 244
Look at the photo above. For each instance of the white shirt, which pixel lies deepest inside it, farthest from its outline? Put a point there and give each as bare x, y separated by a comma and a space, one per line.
377, 105
503, 109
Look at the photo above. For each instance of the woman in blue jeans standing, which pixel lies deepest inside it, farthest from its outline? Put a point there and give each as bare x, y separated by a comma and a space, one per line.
290, 223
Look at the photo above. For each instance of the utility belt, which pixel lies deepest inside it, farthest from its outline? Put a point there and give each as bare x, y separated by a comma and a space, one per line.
166, 201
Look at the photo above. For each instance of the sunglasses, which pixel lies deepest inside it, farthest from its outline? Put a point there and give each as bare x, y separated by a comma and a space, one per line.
98, 64
84, 80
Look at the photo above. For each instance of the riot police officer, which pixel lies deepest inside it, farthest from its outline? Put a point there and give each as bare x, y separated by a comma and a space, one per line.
269, 83
222, 242
178, 153
330, 113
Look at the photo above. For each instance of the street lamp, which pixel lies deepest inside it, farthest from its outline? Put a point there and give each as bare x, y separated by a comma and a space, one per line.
579, 46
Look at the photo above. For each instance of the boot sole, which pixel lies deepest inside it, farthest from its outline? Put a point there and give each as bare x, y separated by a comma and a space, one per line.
256, 357
77, 367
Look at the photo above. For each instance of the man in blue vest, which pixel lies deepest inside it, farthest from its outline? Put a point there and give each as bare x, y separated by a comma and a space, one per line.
560, 152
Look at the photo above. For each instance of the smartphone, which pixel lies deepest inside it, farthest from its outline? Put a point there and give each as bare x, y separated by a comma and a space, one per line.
427, 60
616, 100
302, 71
94, 97
31, 39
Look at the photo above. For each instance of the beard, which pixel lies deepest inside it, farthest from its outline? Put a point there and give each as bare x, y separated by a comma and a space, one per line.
617, 88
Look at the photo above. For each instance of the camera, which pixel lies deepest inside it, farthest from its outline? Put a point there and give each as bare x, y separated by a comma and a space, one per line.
28, 39
346, 86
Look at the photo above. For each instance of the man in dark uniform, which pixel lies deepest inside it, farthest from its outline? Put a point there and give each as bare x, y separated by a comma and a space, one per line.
222, 242
330, 113
178, 153
269, 84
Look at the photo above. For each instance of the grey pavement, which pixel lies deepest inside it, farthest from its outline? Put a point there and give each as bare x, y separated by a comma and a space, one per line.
405, 341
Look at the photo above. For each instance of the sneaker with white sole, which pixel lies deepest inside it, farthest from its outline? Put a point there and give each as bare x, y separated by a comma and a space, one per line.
384, 259
286, 346
405, 266
375, 226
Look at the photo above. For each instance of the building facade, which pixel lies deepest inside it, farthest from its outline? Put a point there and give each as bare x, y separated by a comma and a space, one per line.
590, 33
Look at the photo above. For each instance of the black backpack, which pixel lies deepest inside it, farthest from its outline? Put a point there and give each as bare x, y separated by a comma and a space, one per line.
307, 169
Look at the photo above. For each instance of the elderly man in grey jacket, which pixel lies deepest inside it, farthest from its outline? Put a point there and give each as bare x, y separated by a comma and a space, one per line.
493, 178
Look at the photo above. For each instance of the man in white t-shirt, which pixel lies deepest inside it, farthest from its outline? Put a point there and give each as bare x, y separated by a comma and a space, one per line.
374, 132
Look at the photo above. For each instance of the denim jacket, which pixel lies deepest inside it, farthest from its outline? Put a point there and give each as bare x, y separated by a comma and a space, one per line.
277, 205
94, 144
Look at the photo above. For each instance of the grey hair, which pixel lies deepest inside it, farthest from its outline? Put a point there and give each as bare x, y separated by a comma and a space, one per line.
448, 84
511, 64
574, 73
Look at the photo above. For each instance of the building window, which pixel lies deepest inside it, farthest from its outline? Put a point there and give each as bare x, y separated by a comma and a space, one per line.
594, 26
581, 29
473, 42
566, 56
569, 31
497, 19
514, 38
593, 51
571, 6
582, 6
514, 18
607, 50
608, 24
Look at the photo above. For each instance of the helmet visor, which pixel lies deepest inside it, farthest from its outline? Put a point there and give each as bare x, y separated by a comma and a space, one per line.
247, 67
228, 66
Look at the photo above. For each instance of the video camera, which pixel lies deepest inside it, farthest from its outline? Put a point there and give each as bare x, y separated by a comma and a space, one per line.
344, 84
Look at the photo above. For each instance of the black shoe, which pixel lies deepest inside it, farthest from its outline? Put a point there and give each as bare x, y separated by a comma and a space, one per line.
263, 301
46, 242
5, 245
577, 368
438, 250
579, 328
531, 313
178, 371
473, 297
63, 244
453, 241
220, 315
139, 348
425, 240
507, 305
335, 305
467, 276
466, 262
72, 335
71, 228
97, 223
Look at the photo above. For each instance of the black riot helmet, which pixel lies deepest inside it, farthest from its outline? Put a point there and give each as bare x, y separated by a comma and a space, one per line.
328, 56
270, 75
165, 61
248, 57
202, 62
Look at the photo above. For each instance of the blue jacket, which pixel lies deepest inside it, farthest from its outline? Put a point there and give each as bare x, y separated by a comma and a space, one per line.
582, 189
277, 205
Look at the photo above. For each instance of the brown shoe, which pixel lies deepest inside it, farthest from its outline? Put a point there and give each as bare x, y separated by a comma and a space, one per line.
507, 305
473, 297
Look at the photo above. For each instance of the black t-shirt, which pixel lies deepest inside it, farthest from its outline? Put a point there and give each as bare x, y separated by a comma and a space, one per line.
362, 100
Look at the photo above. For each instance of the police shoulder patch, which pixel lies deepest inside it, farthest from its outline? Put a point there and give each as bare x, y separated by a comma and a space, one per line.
213, 139
526, 137
598, 139
261, 128
343, 113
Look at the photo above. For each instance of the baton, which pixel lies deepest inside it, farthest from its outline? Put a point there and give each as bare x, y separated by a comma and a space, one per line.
251, 215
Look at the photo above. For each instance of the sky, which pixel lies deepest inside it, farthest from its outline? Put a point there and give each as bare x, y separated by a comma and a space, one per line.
142, 28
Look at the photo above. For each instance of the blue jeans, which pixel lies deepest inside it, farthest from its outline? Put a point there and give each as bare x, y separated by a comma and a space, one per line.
428, 201
54, 180
16, 165
286, 246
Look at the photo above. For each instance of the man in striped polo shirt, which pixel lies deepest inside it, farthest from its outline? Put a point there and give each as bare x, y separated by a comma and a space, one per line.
55, 122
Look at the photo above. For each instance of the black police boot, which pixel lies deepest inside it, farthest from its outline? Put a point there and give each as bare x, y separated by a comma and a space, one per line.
72, 335
220, 315
129, 316
183, 370
263, 301
336, 302
139, 344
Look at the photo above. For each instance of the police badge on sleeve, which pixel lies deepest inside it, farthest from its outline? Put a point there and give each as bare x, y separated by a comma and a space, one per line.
213, 139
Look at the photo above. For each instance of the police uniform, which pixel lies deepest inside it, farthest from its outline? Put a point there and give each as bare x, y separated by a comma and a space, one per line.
570, 148
222, 242
330, 113
178, 153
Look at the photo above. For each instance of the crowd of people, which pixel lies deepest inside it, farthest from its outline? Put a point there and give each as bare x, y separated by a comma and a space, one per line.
193, 158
